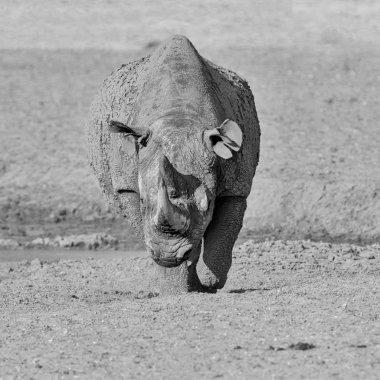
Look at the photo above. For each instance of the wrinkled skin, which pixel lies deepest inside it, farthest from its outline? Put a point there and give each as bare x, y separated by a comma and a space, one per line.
168, 178
174, 142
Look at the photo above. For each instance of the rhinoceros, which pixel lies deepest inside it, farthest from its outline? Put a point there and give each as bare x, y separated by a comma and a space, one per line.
174, 140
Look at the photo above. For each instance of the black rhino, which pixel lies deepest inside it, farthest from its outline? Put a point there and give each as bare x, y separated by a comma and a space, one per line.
174, 142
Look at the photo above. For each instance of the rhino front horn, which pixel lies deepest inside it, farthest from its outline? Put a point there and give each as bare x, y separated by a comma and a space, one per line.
168, 216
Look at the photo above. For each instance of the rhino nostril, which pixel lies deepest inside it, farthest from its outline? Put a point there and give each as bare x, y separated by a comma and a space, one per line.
125, 191
187, 254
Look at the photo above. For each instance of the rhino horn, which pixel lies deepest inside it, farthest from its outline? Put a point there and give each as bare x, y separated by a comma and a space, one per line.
169, 216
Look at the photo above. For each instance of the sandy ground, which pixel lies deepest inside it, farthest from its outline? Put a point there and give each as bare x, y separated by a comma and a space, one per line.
298, 310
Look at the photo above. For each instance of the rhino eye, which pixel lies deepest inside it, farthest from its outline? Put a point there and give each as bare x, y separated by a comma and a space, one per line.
172, 193
117, 127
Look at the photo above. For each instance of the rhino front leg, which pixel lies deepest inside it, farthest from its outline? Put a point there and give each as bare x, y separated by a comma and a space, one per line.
219, 239
178, 280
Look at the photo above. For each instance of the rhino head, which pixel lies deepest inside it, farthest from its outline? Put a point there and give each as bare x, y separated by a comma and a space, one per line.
179, 164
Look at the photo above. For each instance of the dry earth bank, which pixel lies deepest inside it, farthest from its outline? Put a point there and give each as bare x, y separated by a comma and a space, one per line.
314, 70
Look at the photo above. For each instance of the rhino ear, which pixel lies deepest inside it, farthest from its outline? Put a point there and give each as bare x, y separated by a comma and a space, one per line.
231, 133
222, 151
225, 139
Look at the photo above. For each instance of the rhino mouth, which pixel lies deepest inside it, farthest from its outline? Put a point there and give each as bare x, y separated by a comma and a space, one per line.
173, 260
169, 262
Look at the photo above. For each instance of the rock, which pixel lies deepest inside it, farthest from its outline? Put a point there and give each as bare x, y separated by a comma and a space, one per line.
9, 244
40, 242
91, 241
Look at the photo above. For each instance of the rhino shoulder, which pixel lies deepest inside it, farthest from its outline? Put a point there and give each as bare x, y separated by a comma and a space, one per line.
115, 100
238, 104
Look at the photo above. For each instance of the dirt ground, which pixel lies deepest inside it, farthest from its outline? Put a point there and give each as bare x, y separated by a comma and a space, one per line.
291, 308
297, 309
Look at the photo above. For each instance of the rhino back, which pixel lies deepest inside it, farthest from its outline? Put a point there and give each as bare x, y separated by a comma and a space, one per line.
175, 82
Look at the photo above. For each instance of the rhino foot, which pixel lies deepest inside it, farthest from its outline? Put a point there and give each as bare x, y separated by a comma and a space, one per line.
208, 279
177, 280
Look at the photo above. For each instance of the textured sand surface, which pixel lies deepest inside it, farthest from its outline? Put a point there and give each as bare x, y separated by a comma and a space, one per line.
97, 318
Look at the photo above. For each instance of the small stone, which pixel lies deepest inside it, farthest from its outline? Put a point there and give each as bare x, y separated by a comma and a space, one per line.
302, 346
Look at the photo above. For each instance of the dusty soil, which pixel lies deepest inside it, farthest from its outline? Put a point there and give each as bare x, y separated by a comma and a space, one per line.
289, 310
